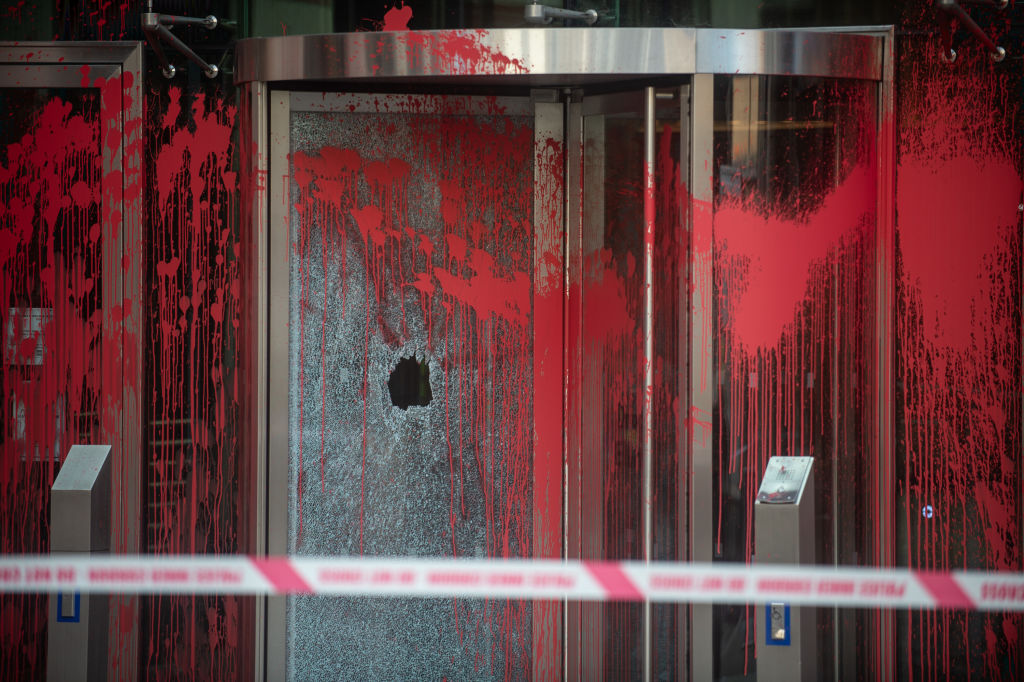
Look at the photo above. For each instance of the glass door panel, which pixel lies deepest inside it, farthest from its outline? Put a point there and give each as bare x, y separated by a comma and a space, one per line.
412, 312
623, 293
70, 249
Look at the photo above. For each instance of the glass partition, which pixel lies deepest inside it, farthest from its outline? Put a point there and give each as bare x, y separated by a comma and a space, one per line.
795, 211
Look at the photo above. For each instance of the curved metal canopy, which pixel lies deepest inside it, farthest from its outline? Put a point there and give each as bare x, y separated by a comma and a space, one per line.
558, 56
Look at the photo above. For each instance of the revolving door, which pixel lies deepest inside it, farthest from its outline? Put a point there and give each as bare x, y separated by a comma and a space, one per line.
501, 280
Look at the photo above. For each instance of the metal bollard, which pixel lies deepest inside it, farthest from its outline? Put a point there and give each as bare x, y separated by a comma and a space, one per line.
79, 523
784, 534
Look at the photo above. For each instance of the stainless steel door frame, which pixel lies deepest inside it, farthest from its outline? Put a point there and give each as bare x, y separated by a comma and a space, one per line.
275, 660
700, 334
548, 207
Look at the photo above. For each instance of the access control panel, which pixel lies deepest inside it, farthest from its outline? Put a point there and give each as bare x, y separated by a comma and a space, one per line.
784, 480
784, 534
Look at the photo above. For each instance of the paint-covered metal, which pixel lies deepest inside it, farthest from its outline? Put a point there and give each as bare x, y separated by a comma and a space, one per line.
555, 56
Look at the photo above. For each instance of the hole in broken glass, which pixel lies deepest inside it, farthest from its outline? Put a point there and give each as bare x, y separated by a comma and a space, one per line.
409, 383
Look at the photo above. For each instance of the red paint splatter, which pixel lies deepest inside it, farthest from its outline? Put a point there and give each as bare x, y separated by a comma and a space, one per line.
192, 455
958, 350
777, 255
397, 18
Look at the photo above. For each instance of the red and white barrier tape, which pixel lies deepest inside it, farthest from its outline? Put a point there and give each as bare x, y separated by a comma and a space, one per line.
514, 579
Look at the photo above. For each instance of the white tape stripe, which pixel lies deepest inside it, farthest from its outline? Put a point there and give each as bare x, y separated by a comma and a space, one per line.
132, 575
513, 579
993, 591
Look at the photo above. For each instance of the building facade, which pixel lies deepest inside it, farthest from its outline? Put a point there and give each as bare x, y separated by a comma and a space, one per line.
420, 321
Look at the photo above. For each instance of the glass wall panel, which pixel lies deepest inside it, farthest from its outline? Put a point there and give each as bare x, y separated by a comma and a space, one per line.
410, 389
51, 318
794, 235
191, 467
958, 352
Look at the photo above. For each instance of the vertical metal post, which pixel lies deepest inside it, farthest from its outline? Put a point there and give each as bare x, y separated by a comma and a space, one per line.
255, 137
883, 554
591, 393
573, 372
277, 473
648, 363
701, 359
80, 519
682, 383
548, 370
837, 448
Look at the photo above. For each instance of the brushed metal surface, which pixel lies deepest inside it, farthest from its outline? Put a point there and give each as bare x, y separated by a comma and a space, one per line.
80, 501
555, 56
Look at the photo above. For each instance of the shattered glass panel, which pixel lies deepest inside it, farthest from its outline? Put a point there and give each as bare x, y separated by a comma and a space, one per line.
410, 275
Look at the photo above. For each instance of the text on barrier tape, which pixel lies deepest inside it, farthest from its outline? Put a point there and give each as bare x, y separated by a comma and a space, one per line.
514, 579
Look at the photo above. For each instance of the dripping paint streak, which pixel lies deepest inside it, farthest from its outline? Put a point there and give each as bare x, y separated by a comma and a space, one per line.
191, 470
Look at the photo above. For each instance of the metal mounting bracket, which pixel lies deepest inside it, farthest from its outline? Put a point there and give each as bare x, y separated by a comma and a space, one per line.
157, 27
951, 10
536, 13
